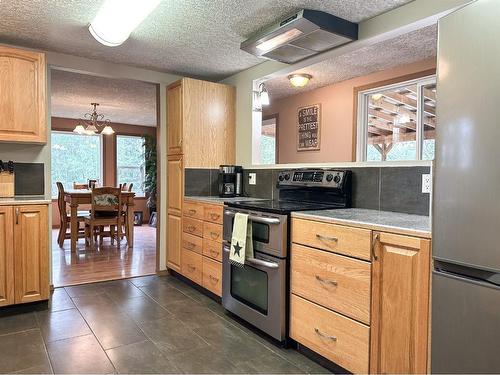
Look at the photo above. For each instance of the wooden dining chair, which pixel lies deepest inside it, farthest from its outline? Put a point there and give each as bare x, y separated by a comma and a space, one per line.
126, 228
65, 219
106, 208
79, 186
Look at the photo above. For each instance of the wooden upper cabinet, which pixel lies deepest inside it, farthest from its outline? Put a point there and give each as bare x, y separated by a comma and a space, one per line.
174, 119
23, 116
6, 256
31, 253
400, 304
175, 184
201, 121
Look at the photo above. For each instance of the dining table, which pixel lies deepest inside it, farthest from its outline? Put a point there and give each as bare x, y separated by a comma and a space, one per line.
76, 197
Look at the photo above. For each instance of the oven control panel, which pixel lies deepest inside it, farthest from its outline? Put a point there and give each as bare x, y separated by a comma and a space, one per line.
333, 178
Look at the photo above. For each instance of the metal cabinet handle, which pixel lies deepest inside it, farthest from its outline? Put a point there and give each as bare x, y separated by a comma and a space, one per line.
214, 235
331, 282
213, 278
17, 215
191, 268
212, 251
191, 228
321, 237
214, 216
321, 334
192, 212
190, 245
374, 242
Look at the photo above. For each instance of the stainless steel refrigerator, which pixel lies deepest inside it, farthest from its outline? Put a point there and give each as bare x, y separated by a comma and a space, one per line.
466, 208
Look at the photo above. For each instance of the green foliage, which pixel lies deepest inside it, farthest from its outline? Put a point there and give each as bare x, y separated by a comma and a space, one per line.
151, 165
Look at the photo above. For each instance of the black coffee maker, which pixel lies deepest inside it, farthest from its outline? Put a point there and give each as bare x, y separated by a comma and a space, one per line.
230, 181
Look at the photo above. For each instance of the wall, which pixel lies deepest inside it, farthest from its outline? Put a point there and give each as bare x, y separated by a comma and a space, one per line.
337, 132
109, 158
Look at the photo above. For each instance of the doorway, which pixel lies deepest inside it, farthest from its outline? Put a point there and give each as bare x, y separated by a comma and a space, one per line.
125, 157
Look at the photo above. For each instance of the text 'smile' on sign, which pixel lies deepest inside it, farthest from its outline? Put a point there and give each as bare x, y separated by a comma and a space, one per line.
308, 128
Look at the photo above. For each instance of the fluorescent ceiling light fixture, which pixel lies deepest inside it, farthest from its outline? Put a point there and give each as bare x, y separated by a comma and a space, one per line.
278, 40
116, 19
299, 80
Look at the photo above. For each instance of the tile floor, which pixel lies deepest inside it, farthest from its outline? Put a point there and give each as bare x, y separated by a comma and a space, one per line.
143, 325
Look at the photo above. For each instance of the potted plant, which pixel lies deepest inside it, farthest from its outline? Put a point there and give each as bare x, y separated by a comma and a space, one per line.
150, 172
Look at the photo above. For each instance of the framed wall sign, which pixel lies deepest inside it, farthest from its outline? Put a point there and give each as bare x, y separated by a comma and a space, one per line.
308, 127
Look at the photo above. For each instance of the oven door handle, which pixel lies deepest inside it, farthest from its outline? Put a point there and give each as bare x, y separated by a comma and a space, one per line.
257, 219
258, 262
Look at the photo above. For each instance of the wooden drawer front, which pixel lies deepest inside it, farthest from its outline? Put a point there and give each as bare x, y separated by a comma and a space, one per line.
334, 281
354, 242
340, 339
192, 226
212, 276
191, 266
212, 231
192, 243
192, 209
213, 213
212, 249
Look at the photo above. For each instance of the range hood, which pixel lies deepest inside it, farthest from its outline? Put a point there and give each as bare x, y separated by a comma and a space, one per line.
301, 35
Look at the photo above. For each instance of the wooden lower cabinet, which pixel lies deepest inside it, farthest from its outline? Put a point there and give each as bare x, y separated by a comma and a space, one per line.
334, 336
400, 304
174, 235
366, 315
31, 260
212, 276
6, 256
192, 266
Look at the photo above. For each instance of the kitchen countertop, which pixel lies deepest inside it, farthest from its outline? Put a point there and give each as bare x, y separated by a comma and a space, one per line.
24, 199
413, 225
219, 200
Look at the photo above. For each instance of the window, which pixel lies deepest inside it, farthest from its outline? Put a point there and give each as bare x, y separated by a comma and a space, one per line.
130, 162
75, 158
268, 141
397, 122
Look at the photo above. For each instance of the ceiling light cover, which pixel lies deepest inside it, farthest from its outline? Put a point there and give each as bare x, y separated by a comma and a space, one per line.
278, 40
299, 80
116, 19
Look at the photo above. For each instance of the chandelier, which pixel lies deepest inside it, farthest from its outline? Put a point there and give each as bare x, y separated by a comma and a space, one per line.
93, 123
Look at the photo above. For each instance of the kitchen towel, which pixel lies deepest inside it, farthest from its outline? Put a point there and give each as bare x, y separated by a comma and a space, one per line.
241, 240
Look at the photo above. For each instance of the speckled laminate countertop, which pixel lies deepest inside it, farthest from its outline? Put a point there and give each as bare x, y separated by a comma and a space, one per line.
24, 199
414, 225
219, 200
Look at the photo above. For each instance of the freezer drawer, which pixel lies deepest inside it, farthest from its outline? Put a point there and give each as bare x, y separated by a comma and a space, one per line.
465, 325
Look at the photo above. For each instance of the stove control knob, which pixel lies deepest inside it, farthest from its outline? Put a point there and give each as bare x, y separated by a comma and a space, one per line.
281, 178
329, 177
336, 179
287, 177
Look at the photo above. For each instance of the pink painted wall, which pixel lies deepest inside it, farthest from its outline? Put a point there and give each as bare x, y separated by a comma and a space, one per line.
337, 116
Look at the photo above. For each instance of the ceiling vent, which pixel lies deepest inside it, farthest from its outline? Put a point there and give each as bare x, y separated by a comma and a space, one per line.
304, 34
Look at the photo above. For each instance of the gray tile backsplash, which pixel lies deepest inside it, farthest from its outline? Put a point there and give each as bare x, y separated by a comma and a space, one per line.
29, 179
395, 189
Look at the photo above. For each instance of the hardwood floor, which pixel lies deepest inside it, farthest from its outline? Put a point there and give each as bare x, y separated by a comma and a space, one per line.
105, 262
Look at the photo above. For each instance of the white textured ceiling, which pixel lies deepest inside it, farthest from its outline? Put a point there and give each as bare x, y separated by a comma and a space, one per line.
191, 37
404, 49
123, 101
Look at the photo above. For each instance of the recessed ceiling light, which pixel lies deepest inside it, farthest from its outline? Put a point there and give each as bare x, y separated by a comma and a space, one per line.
116, 19
299, 80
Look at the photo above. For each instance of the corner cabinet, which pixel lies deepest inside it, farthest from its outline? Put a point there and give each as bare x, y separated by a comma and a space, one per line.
400, 304
200, 134
23, 85
24, 254
359, 297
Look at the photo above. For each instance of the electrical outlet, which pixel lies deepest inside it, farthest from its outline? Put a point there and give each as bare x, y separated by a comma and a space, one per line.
426, 183
252, 178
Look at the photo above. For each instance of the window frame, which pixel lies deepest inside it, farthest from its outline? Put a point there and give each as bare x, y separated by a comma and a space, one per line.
276, 118
117, 135
362, 115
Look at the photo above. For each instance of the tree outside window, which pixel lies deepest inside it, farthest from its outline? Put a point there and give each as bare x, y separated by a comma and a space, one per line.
131, 162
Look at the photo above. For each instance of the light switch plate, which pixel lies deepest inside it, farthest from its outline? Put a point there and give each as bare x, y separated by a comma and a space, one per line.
252, 178
426, 183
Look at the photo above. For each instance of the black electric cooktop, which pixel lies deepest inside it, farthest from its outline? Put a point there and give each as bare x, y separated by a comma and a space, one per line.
282, 207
